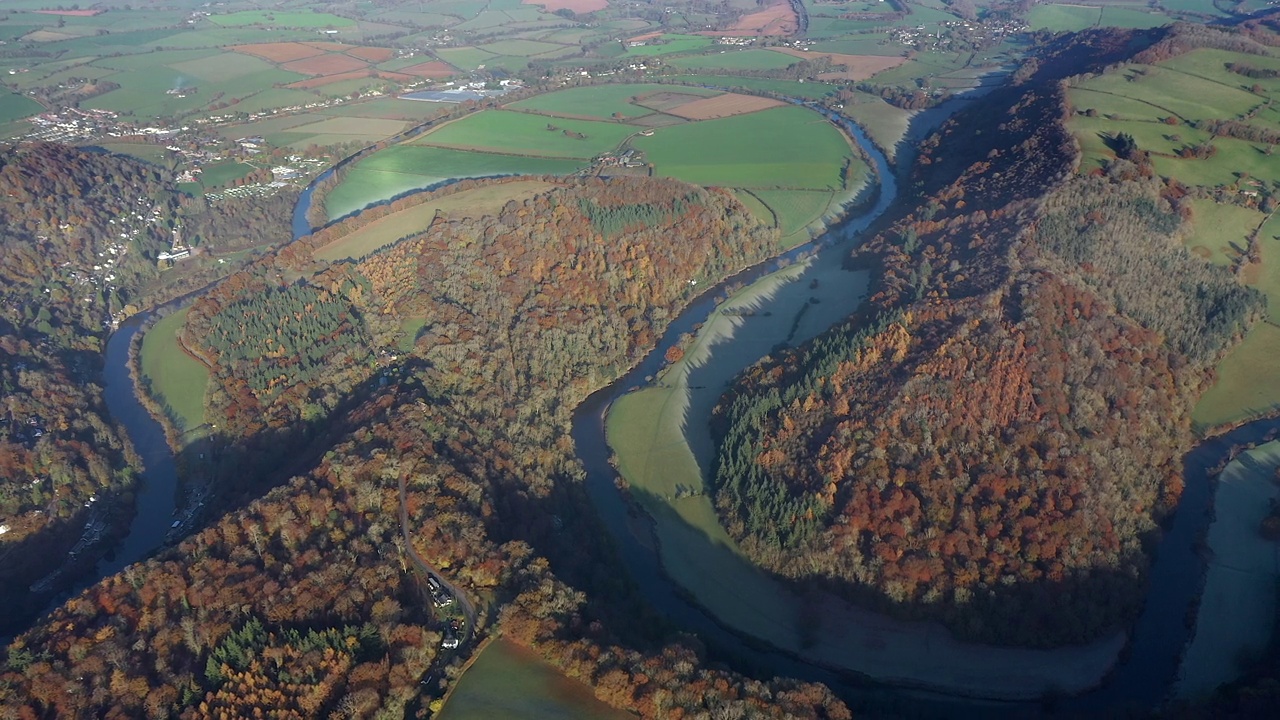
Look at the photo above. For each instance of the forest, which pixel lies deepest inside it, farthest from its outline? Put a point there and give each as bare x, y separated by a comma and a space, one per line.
81, 231
995, 444
65, 212
305, 601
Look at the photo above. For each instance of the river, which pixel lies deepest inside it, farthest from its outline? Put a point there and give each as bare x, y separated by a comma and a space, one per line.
1142, 677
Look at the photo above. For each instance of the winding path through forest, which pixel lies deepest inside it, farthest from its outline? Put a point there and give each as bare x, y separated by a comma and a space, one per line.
429, 570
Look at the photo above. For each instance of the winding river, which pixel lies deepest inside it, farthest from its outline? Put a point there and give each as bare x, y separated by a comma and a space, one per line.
1141, 678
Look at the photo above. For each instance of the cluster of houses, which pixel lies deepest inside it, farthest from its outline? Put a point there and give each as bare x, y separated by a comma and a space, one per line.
24, 433
625, 159
440, 595
71, 125
974, 33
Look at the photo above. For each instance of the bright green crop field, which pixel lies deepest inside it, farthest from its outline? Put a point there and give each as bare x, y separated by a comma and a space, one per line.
503, 131
403, 168
781, 148
600, 101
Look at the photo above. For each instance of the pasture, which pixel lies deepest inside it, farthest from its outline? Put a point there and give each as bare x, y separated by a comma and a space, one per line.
782, 148
509, 681
668, 45
15, 107
791, 158
789, 88
798, 211
177, 380
1246, 384
1138, 99
1060, 18
411, 221
598, 101
734, 60
218, 175
403, 168
503, 131
282, 19
1220, 232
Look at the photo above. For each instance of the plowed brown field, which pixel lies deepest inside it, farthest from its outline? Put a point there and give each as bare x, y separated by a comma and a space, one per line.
327, 64
372, 54
721, 106
316, 82
279, 52
433, 69
777, 19
857, 67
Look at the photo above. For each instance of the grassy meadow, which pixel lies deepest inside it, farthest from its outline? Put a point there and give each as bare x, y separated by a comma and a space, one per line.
402, 168
177, 380
790, 158
514, 133
387, 230
780, 148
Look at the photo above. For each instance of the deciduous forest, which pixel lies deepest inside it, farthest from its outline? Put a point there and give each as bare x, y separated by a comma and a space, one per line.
995, 448
305, 600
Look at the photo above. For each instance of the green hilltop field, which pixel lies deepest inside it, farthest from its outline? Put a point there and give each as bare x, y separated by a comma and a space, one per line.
1174, 112
798, 167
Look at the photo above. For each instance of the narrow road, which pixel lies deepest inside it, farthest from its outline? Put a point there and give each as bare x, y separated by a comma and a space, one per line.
429, 570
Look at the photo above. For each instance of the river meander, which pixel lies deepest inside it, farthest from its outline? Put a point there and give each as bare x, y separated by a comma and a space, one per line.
1142, 678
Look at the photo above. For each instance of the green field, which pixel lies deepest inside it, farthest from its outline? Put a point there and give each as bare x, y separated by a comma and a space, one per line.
503, 131
1211, 65
1063, 17
177, 380
509, 681
781, 148
600, 101
796, 211
1202, 7
402, 168
142, 61
1136, 99
282, 19
790, 157
15, 107
1221, 231
143, 93
387, 230
1188, 96
736, 60
790, 88
223, 174
465, 58
1132, 18
885, 124
146, 152
521, 48
222, 67
669, 45
388, 109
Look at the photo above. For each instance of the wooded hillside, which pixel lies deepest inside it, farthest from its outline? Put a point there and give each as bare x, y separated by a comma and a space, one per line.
995, 444
78, 231
304, 601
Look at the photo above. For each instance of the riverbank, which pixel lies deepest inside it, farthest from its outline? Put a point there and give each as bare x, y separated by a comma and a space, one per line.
664, 449
1236, 615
